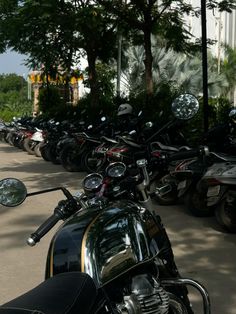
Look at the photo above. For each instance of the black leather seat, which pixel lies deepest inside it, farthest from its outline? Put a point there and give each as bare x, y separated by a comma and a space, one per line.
66, 293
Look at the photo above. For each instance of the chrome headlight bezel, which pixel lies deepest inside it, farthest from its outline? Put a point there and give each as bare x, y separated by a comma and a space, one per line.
92, 182
116, 169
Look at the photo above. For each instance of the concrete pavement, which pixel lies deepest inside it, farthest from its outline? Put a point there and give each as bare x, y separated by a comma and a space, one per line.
203, 251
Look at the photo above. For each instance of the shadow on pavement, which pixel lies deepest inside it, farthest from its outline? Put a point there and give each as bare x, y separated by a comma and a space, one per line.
204, 252
202, 249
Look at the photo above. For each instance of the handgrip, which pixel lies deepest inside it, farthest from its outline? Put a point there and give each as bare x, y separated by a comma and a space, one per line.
201, 151
44, 228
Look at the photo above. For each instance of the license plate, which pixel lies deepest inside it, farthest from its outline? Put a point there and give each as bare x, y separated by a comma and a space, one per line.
182, 185
213, 190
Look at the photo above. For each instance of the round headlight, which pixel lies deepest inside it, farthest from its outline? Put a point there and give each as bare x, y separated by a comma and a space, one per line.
92, 182
116, 170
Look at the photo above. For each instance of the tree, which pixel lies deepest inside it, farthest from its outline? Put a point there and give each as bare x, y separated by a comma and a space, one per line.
11, 82
228, 67
13, 97
54, 32
182, 71
95, 36
164, 18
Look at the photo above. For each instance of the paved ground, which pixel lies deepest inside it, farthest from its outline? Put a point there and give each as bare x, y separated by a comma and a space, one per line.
203, 251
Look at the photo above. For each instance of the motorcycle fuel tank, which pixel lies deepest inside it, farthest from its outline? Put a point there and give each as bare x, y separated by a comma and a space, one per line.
104, 243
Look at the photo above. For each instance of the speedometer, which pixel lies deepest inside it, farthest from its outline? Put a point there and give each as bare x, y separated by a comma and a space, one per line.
92, 182
116, 170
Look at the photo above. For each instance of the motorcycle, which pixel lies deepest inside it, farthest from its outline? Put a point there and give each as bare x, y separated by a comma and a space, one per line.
221, 137
206, 186
112, 247
154, 147
219, 181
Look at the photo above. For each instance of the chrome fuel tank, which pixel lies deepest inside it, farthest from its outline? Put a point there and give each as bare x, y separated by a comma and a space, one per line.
104, 243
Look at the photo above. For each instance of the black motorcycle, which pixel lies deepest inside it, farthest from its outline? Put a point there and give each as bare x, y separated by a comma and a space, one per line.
112, 253
154, 145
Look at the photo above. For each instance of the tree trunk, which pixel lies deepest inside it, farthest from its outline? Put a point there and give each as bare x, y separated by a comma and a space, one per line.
148, 63
93, 83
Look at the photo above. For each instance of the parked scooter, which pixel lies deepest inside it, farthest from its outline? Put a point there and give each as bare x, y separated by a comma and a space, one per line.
220, 185
112, 245
206, 184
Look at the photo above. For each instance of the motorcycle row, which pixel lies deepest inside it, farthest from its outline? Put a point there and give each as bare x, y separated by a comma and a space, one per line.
204, 182
112, 253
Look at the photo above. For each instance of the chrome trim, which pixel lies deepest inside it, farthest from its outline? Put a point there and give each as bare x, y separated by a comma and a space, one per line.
195, 284
31, 242
115, 243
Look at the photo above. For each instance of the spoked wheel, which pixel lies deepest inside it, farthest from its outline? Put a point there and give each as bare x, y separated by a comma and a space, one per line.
93, 162
165, 191
226, 212
196, 203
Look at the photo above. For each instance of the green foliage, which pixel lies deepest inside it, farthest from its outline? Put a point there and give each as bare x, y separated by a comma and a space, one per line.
158, 107
105, 107
11, 82
105, 80
184, 72
13, 97
219, 108
51, 102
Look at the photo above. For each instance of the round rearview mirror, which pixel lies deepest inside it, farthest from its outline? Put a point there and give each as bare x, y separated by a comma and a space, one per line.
12, 192
185, 106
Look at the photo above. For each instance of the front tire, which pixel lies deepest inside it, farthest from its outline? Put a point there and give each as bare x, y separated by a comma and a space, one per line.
196, 203
29, 145
37, 150
92, 163
176, 305
225, 212
70, 158
44, 151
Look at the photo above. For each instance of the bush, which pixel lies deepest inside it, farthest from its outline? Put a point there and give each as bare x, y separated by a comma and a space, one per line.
106, 108
51, 103
218, 113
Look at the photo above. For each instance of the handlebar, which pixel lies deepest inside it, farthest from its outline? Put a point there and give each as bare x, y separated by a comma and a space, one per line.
201, 151
47, 225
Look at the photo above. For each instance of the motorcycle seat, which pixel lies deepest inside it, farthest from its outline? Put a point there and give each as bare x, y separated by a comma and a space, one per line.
65, 293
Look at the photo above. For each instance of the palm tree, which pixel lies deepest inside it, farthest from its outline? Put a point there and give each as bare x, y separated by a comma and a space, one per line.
182, 71
228, 67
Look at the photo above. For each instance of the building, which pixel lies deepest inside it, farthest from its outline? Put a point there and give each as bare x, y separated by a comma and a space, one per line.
36, 79
221, 28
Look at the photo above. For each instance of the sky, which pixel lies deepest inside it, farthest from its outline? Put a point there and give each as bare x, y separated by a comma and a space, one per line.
12, 62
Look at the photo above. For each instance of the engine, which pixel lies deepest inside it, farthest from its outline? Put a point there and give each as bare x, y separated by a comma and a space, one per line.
146, 297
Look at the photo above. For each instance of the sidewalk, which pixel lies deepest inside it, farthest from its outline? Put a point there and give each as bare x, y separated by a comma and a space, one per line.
203, 252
